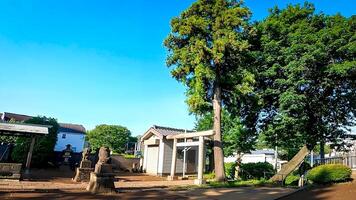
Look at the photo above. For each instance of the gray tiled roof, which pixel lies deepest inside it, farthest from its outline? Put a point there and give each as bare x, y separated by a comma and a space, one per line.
72, 128
170, 131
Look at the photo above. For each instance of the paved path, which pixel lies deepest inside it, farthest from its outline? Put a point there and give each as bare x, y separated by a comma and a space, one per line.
340, 191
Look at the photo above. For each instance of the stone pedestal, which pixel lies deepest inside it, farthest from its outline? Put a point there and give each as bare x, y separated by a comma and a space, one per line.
102, 179
83, 172
199, 181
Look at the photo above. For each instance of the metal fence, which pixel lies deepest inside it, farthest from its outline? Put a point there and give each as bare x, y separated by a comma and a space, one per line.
349, 161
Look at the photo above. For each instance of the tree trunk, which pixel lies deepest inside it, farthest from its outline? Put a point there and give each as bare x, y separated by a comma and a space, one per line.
218, 150
322, 152
238, 164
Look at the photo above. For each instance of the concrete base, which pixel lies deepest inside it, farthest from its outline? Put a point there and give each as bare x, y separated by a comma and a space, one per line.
101, 183
199, 181
171, 178
82, 174
183, 178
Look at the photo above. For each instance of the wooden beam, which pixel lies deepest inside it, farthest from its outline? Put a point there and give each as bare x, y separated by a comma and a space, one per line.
24, 128
191, 135
187, 144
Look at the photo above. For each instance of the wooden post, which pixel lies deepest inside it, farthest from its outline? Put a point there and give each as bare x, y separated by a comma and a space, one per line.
174, 160
201, 162
29, 154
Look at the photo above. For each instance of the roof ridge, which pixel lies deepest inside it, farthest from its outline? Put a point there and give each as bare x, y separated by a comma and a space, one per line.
17, 114
171, 128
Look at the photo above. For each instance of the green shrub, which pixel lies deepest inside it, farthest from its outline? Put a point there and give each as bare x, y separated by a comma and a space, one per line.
230, 169
257, 170
44, 145
292, 179
209, 176
304, 167
329, 173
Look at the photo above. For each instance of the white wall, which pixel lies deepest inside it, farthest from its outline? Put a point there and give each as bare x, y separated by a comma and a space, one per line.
75, 139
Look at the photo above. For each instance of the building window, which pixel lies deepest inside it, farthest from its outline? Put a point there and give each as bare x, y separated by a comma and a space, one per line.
64, 136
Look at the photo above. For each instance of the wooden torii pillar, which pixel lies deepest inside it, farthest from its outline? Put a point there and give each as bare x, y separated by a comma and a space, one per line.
200, 144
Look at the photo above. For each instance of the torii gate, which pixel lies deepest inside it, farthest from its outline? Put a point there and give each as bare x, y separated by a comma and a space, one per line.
200, 143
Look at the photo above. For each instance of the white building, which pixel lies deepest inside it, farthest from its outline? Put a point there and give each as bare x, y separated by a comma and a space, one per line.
73, 134
264, 155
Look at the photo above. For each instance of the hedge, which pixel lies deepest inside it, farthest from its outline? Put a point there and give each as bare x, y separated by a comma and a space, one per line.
292, 179
230, 169
257, 170
329, 173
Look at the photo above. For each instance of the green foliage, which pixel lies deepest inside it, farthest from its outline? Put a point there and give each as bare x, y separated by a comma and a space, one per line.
8, 139
292, 180
252, 182
306, 76
113, 136
304, 167
209, 176
230, 169
329, 173
208, 43
44, 145
236, 138
256, 170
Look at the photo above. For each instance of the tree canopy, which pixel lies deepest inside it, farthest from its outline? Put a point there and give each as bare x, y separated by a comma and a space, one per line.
306, 76
113, 136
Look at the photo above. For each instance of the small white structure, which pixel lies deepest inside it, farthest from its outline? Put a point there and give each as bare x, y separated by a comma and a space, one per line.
263, 155
158, 150
73, 134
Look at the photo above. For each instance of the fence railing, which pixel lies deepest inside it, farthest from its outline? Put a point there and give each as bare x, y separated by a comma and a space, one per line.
349, 161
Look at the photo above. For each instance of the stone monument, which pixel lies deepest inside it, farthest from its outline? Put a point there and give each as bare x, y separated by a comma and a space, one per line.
102, 179
84, 170
67, 154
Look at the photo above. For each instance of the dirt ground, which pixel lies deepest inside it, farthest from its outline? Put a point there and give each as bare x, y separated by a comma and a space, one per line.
340, 191
57, 184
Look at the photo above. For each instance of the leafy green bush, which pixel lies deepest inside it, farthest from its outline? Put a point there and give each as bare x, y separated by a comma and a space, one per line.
292, 179
113, 136
230, 169
329, 173
257, 170
209, 176
304, 167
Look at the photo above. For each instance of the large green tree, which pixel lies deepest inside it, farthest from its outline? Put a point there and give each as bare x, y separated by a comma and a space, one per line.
236, 138
113, 136
306, 76
44, 145
206, 46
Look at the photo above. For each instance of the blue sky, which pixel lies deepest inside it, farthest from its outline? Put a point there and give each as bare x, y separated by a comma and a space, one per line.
93, 62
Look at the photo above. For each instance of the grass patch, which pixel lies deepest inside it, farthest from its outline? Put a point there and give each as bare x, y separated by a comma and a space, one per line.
253, 182
229, 184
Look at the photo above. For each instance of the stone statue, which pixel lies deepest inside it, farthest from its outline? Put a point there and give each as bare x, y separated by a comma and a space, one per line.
85, 154
104, 155
102, 179
84, 170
